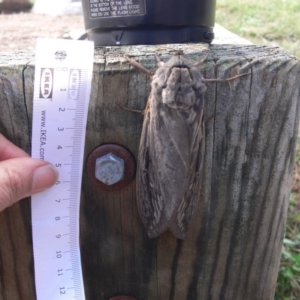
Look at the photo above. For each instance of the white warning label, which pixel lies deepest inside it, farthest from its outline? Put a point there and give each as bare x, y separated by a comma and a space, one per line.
116, 8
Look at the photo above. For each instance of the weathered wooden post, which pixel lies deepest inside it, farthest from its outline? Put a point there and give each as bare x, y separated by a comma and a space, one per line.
232, 249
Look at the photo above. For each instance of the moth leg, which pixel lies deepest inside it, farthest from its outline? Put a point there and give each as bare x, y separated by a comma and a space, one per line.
131, 110
159, 62
139, 66
199, 63
210, 118
142, 112
226, 79
198, 47
163, 47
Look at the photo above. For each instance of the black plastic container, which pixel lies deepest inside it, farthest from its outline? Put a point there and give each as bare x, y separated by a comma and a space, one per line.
131, 22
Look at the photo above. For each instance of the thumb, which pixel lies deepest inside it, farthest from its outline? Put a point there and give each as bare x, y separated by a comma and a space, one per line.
22, 177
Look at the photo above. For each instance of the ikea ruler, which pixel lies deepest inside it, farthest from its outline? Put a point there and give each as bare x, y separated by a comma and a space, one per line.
63, 74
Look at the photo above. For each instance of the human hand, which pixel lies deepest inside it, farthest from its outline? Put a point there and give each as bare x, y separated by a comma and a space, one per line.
21, 175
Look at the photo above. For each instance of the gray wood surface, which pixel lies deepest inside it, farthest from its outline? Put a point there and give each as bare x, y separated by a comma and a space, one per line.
232, 249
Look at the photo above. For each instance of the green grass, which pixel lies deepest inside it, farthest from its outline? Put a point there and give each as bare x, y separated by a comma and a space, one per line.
268, 22
288, 283
277, 23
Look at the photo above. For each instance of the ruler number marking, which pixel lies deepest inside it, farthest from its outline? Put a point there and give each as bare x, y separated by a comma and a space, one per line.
62, 290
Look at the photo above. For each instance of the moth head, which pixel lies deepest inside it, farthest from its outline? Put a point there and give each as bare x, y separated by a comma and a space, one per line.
179, 90
178, 81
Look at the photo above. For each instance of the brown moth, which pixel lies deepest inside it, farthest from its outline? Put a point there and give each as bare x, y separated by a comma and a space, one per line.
172, 146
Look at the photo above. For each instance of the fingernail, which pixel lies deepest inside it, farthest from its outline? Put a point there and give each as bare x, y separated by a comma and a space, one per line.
43, 178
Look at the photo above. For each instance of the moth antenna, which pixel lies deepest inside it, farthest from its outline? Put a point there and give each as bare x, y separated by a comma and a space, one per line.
139, 66
159, 62
226, 79
199, 63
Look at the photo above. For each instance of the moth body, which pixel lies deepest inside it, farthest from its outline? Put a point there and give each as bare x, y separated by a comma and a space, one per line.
171, 148
172, 145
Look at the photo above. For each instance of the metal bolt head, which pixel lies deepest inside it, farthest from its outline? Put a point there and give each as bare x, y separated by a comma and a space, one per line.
129, 165
109, 169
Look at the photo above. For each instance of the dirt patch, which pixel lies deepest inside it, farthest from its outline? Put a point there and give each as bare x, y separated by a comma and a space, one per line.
20, 31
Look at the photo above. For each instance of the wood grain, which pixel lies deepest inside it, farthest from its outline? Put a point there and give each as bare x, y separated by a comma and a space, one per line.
232, 249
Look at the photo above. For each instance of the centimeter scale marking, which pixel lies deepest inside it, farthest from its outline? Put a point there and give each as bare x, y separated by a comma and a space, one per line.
63, 75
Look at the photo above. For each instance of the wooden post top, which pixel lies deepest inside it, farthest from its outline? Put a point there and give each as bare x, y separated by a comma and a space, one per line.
232, 249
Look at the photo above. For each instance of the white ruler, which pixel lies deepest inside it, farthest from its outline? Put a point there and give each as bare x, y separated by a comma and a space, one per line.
63, 74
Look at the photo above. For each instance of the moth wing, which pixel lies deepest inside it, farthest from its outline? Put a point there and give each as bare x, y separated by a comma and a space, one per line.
187, 207
163, 166
150, 204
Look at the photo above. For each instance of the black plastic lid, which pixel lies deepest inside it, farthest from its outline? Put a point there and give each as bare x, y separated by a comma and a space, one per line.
130, 22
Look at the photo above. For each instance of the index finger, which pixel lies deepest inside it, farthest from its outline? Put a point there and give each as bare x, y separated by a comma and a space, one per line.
9, 150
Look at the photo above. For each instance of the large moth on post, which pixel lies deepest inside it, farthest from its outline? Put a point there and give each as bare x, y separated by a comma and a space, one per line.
172, 145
